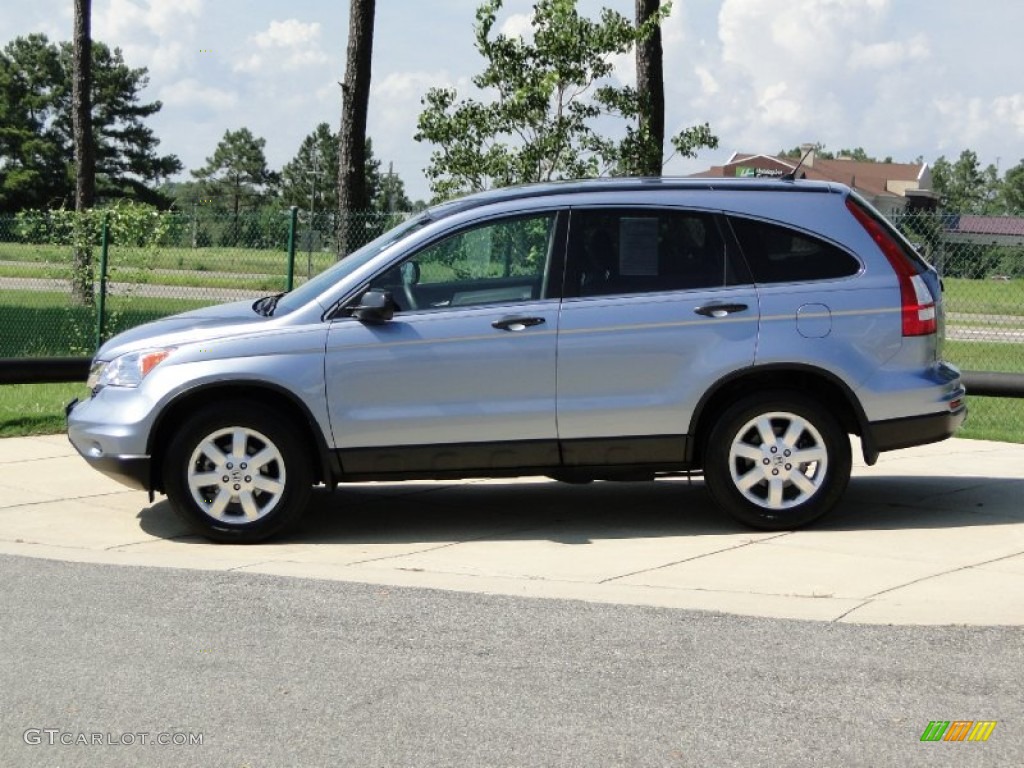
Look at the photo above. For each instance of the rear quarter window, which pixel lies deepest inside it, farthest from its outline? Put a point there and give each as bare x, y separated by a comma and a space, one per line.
778, 254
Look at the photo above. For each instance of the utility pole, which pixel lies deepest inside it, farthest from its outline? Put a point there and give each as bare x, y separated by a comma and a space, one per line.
312, 175
391, 187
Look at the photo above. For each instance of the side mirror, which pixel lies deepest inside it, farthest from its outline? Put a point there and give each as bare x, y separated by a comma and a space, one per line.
375, 307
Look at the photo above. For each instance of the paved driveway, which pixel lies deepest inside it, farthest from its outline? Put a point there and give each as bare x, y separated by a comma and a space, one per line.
931, 535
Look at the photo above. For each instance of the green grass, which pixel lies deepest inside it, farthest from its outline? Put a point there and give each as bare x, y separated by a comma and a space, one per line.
246, 261
40, 323
994, 418
985, 356
35, 409
987, 297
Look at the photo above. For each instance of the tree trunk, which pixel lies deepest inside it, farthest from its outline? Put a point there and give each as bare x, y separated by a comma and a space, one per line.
355, 99
85, 159
650, 85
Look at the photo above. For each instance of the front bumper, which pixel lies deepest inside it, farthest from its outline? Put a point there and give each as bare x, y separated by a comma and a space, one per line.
133, 471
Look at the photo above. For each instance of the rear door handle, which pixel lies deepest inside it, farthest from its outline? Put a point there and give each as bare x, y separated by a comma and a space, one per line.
516, 323
720, 310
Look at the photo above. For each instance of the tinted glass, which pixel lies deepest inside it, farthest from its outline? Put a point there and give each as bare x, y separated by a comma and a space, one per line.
780, 255
501, 261
642, 251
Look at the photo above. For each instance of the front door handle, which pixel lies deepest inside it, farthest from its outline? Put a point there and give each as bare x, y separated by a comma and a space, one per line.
720, 310
516, 323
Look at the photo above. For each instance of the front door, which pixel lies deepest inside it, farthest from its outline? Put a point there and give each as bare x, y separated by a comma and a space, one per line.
463, 376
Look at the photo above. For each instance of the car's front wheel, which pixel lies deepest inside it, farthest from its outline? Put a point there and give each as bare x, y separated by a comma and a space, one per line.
777, 461
237, 473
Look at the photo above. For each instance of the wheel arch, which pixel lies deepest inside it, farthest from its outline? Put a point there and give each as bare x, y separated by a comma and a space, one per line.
825, 387
324, 467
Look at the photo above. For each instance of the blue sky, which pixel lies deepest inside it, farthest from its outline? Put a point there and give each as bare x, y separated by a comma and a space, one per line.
905, 78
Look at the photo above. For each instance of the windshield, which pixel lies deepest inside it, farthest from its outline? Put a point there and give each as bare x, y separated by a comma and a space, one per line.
330, 276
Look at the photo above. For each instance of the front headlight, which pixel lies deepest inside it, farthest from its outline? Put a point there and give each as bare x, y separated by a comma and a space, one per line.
127, 370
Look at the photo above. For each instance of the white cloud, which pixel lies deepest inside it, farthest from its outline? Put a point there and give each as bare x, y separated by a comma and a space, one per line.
153, 34
889, 54
518, 25
191, 93
1010, 110
290, 33
285, 45
708, 83
119, 19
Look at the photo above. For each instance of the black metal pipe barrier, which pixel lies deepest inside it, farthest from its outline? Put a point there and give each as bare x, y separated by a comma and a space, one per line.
989, 384
45, 370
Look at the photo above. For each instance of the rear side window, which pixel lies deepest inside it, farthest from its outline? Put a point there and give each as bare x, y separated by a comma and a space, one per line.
643, 250
778, 254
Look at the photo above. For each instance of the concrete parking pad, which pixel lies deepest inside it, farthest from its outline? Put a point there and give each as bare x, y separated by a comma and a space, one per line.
929, 535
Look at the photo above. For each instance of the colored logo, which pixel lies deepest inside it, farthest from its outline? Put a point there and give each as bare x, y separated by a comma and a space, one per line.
958, 730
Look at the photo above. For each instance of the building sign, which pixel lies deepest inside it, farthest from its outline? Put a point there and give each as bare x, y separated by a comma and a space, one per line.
746, 171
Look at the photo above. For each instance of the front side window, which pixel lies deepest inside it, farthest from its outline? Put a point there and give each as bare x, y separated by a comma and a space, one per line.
622, 251
497, 262
781, 255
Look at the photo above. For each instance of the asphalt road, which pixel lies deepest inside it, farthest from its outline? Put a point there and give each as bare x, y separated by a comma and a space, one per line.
294, 672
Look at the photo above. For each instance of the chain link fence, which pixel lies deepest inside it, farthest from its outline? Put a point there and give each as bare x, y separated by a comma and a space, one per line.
54, 304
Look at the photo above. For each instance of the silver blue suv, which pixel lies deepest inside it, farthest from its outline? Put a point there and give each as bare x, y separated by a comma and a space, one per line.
599, 330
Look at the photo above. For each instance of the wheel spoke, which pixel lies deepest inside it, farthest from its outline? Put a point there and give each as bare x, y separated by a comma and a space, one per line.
249, 505
809, 455
764, 428
775, 486
796, 428
750, 479
203, 480
212, 452
803, 482
238, 440
747, 451
219, 504
268, 484
263, 458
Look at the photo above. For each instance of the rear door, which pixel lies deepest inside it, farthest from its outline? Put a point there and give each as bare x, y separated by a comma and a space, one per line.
657, 309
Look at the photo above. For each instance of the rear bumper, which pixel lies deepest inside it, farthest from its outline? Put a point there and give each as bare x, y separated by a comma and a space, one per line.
915, 430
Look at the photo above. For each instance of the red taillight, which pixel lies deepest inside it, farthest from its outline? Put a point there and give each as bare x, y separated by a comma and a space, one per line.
918, 304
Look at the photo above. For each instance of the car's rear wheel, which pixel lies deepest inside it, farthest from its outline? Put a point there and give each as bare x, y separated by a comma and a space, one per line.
777, 461
237, 473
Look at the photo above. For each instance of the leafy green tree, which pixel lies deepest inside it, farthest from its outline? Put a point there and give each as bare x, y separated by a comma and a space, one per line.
237, 172
318, 154
1012, 190
964, 186
36, 135
389, 191
313, 172
548, 95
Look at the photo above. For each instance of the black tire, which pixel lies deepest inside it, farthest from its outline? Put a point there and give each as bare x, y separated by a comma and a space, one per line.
749, 476
241, 503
